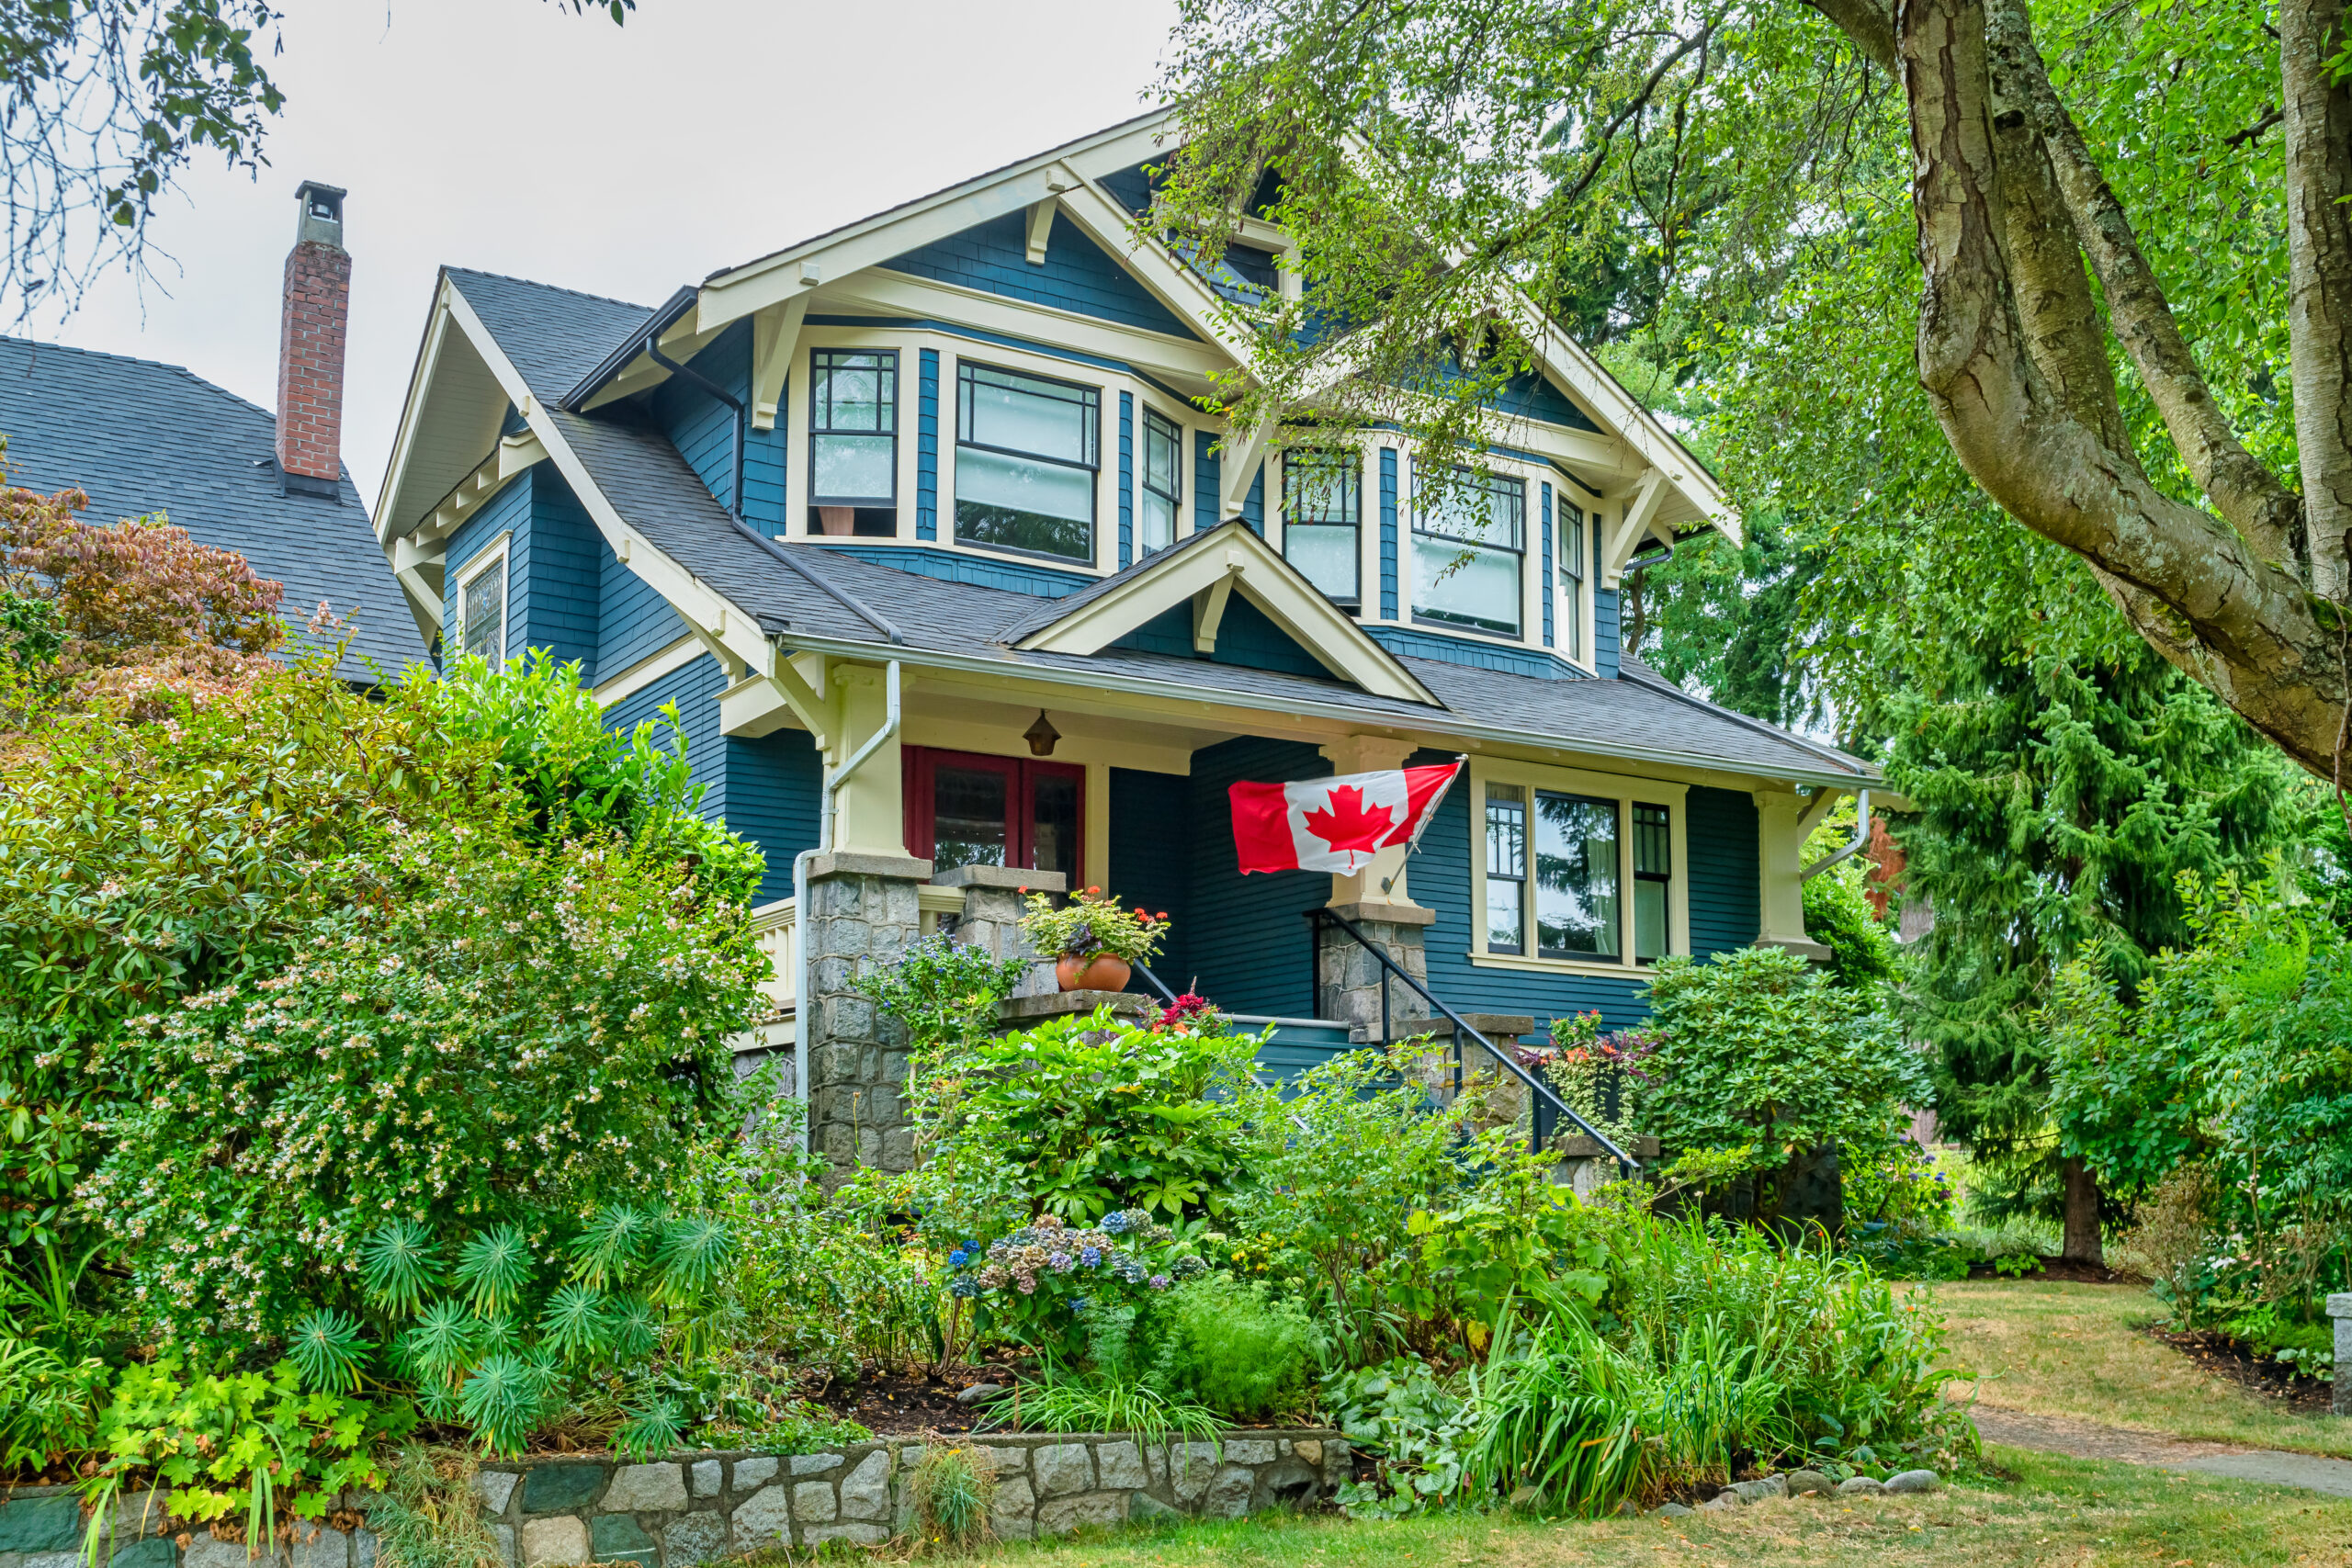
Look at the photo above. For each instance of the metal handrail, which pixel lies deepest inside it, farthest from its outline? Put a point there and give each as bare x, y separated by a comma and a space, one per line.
1157, 983
1541, 1091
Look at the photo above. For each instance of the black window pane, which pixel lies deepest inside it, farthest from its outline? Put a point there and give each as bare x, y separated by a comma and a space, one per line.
968, 817
1053, 827
1576, 876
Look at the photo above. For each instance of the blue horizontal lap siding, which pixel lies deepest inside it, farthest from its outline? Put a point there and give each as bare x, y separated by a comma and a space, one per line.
980, 571
1250, 942
1076, 274
1726, 910
1127, 479
1534, 397
1423, 643
635, 621
927, 446
1206, 464
771, 787
1150, 860
1605, 646
562, 586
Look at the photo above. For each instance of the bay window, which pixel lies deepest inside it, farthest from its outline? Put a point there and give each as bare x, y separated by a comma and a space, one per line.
1026, 454
1163, 465
1469, 535
854, 442
1322, 511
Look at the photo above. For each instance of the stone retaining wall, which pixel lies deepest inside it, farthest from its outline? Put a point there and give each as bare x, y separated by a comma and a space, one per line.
689, 1508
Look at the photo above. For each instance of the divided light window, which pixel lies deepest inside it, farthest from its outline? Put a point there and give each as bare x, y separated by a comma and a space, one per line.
1163, 467
1505, 868
1653, 880
854, 442
482, 612
1322, 510
1025, 461
1469, 534
1572, 559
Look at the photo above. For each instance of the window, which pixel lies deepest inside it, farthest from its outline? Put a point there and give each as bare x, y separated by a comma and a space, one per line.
964, 808
1653, 879
854, 442
1576, 876
1026, 462
482, 608
1466, 547
1163, 465
1571, 579
1322, 508
1505, 868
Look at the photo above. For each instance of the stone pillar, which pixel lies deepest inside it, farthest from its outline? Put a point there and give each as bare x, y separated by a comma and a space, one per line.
1372, 754
2339, 1307
994, 905
863, 912
1779, 846
1347, 980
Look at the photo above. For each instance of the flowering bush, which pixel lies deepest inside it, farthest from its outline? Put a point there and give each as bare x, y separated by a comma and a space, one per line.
1090, 924
1033, 1280
1193, 1012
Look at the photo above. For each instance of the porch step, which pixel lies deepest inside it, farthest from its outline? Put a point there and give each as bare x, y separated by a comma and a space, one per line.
1299, 1043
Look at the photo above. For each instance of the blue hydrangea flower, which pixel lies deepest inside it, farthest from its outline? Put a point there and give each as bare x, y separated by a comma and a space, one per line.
1090, 1256
1078, 1303
1159, 1281
1115, 1222
1059, 1262
963, 1285
957, 1258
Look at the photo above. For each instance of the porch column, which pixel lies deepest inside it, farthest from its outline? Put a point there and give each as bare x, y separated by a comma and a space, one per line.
872, 812
1779, 846
1349, 980
862, 914
994, 905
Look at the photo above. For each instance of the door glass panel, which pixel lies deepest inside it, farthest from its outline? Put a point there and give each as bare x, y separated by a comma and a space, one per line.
1053, 836
967, 815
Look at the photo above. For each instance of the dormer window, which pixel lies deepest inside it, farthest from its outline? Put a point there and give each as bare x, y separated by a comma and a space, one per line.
1163, 487
1026, 454
1469, 536
1572, 559
854, 442
1322, 513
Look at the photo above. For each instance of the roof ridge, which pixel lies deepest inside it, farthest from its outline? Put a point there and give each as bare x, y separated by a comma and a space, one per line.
36, 346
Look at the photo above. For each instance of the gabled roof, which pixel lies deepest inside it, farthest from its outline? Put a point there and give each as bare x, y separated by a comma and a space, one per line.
145, 437
1203, 572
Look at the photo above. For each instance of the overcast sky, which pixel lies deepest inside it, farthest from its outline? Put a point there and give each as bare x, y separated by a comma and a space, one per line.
514, 137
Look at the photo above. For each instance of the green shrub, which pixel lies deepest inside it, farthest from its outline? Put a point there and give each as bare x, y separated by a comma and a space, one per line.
951, 1492
1234, 1349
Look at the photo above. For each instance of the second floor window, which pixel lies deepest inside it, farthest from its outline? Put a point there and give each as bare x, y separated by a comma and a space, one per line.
1163, 467
482, 612
1025, 461
1322, 510
1571, 580
1468, 537
854, 442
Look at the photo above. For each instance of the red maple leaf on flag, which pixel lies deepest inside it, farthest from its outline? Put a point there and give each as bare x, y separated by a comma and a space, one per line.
1348, 825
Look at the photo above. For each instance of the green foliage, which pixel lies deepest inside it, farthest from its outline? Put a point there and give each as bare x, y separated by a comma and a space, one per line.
51, 1402
952, 1491
1756, 1049
1862, 952
1089, 924
1417, 1427
1232, 1348
1512, 1233
1062, 1402
430, 1513
942, 991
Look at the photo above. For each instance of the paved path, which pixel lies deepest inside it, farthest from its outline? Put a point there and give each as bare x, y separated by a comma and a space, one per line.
2086, 1439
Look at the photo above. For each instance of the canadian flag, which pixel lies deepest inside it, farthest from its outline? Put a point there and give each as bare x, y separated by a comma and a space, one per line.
1336, 824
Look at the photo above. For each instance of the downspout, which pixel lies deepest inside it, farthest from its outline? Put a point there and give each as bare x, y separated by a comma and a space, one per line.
827, 809
1861, 837
735, 428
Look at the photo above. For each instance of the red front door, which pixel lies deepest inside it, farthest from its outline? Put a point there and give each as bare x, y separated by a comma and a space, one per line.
968, 809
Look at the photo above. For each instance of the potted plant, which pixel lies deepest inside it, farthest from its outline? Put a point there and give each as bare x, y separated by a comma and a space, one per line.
1095, 944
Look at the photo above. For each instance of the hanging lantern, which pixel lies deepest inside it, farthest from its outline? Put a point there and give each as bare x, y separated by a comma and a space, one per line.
1041, 735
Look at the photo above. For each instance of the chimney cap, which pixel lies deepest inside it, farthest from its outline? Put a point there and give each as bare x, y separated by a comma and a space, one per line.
321, 217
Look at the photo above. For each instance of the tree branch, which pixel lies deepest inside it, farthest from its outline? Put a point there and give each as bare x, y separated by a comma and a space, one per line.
2318, 112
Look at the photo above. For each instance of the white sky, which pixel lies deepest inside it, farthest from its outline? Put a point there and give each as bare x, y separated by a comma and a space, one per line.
512, 137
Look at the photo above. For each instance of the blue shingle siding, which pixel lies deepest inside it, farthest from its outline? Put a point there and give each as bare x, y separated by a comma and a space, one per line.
559, 594
1604, 632
1132, 188
1534, 397
1245, 637
1544, 590
633, 622
1725, 896
1127, 479
1205, 466
773, 782
1421, 643
980, 571
1150, 864
927, 447
1249, 943
1253, 505
508, 511
1077, 275
702, 429
1388, 532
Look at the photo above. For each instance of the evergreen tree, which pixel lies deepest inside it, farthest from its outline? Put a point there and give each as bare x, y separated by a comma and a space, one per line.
2057, 797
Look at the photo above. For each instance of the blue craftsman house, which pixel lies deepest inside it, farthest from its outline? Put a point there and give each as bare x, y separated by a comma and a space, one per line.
921, 524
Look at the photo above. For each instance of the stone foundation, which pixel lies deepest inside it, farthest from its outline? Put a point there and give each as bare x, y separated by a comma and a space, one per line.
863, 912
1347, 980
690, 1508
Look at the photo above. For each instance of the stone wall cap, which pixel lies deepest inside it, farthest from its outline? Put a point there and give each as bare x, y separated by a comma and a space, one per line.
1062, 1004
2340, 1304
1488, 1024
853, 863
1389, 914
1012, 876
1576, 1145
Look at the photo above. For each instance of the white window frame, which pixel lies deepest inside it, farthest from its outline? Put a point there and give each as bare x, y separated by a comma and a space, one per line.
1186, 477
1626, 792
491, 557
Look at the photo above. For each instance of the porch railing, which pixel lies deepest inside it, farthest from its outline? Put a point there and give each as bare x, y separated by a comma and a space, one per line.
1546, 1108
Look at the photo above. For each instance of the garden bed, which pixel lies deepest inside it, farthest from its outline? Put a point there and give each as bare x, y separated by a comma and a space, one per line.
2227, 1358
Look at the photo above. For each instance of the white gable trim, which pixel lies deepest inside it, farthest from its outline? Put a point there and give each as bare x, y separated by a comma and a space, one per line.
1204, 575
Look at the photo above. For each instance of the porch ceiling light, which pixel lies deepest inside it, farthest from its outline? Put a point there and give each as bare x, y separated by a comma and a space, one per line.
1041, 735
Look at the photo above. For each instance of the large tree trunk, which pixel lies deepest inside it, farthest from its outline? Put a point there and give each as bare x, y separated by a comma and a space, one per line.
2082, 1244
2318, 105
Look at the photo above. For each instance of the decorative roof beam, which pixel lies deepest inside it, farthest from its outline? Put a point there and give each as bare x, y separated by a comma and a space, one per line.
776, 336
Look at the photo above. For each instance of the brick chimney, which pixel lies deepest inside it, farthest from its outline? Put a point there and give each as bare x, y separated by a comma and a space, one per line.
309, 345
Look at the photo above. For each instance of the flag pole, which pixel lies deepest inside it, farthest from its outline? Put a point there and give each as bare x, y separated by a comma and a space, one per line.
1421, 827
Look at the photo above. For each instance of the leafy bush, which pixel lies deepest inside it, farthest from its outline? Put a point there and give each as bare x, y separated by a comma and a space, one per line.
1230, 1347
50, 1404
943, 991
1758, 1050
1065, 1402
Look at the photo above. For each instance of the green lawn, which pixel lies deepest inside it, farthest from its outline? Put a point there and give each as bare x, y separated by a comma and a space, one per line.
2056, 1511
2074, 1350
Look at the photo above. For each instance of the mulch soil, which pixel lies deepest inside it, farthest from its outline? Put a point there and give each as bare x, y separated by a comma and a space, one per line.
2225, 1357
2063, 1268
897, 1406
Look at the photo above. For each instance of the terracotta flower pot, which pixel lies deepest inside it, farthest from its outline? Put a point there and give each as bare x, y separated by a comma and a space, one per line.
1103, 972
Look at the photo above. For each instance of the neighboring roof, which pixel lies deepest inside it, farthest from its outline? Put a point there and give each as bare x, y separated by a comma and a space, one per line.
142, 437
815, 595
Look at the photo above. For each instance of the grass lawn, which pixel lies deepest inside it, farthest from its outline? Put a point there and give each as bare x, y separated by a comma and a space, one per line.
2073, 1351
2057, 1511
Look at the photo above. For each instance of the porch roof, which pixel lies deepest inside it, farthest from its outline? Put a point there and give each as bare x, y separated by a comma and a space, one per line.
819, 598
